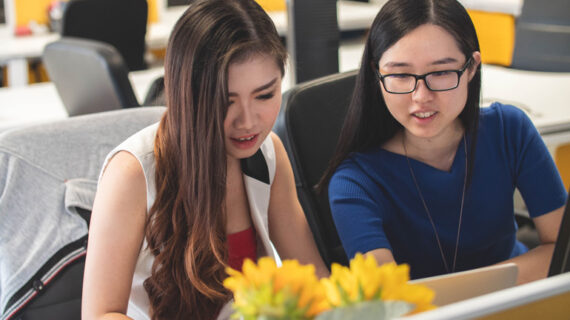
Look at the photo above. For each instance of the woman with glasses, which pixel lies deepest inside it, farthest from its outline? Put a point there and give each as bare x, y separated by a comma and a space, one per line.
422, 175
205, 188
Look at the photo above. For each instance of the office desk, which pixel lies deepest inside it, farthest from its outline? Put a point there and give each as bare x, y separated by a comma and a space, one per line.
543, 299
15, 51
40, 102
544, 96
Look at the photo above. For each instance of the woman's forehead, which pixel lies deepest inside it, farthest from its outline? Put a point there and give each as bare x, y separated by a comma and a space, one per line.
427, 43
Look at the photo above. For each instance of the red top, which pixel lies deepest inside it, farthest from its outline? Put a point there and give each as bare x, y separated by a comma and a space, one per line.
242, 245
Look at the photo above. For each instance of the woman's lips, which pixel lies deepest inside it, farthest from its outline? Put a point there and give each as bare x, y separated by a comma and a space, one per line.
245, 142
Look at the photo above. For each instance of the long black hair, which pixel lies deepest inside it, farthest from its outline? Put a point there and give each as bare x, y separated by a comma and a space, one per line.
368, 122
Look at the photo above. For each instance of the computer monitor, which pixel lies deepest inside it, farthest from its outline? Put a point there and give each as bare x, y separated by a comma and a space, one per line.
560, 262
172, 3
2, 14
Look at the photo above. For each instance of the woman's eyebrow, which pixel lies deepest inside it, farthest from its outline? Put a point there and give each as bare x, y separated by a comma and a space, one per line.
444, 61
395, 64
258, 89
265, 86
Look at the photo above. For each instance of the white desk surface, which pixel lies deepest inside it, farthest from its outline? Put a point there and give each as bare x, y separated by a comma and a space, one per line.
40, 102
545, 96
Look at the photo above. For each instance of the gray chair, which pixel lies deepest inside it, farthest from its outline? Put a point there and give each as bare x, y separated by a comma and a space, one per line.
309, 124
48, 178
542, 38
90, 76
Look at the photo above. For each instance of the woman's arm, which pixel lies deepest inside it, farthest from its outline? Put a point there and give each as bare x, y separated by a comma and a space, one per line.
534, 264
288, 226
115, 236
382, 255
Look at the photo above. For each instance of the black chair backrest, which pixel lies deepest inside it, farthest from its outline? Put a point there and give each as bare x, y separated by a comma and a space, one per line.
90, 76
542, 37
119, 23
309, 124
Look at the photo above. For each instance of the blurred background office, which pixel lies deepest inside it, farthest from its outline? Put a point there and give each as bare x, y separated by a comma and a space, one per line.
62, 59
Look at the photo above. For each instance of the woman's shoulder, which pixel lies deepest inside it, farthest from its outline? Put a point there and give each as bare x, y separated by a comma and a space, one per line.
141, 142
365, 164
505, 112
138, 148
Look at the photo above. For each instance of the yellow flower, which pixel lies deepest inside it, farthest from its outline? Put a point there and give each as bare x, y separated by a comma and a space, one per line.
364, 280
291, 291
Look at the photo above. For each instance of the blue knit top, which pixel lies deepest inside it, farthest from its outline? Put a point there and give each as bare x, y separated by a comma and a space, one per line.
375, 202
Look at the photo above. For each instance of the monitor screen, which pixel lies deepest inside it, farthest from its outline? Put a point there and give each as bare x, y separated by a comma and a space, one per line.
560, 259
172, 3
2, 13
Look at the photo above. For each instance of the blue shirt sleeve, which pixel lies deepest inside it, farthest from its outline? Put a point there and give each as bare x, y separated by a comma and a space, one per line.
535, 172
356, 207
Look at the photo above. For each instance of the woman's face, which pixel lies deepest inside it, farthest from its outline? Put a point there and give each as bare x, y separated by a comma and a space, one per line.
425, 113
254, 87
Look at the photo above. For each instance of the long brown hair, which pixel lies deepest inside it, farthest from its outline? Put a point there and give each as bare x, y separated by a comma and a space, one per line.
186, 224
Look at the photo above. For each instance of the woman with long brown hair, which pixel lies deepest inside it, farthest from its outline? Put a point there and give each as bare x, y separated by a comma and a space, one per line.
207, 186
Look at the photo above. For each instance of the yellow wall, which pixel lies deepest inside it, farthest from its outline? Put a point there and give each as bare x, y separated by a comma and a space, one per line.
562, 160
273, 5
496, 32
153, 15
36, 10
28, 10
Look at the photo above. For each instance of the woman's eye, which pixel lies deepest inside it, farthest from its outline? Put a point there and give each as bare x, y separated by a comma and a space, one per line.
266, 96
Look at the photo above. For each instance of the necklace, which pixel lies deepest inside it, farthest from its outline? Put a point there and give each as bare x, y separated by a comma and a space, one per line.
428, 213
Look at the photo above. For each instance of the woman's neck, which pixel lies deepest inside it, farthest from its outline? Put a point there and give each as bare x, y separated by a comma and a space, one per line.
438, 152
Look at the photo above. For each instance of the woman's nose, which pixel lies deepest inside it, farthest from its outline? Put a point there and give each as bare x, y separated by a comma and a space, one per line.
245, 119
422, 92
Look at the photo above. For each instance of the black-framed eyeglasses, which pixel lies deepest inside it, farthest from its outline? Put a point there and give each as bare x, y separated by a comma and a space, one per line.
401, 83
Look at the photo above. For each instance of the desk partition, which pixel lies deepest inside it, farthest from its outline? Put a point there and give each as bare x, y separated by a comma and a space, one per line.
542, 299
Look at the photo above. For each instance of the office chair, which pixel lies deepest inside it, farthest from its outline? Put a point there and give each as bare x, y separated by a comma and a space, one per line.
48, 178
542, 41
121, 24
90, 76
309, 124
155, 94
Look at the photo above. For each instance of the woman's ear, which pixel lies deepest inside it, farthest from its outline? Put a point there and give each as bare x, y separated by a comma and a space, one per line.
473, 67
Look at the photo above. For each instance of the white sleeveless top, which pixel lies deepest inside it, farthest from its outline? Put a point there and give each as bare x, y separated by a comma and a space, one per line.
258, 173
